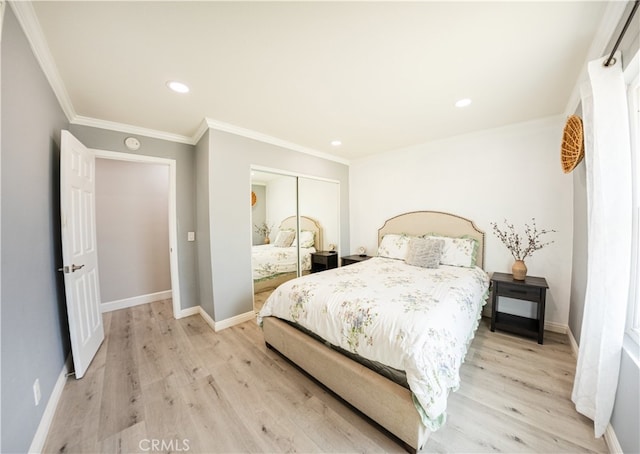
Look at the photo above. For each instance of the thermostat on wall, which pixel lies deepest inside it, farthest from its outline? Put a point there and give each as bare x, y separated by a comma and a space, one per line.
132, 143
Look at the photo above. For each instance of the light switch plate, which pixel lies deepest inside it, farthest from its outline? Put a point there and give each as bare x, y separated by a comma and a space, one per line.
191, 236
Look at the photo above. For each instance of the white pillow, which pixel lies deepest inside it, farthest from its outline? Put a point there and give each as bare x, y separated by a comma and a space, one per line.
307, 238
394, 246
284, 238
461, 251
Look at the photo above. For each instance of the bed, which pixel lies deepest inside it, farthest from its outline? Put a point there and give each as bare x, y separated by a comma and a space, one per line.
272, 265
386, 314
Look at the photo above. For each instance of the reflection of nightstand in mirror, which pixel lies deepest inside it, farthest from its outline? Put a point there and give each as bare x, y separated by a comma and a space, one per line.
323, 260
349, 259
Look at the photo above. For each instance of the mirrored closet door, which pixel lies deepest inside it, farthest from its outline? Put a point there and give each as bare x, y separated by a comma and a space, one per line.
273, 210
295, 228
318, 202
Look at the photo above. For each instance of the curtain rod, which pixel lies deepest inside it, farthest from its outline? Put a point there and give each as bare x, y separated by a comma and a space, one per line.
624, 30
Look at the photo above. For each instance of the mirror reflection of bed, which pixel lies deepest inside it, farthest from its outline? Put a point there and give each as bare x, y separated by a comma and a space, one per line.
277, 262
278, 199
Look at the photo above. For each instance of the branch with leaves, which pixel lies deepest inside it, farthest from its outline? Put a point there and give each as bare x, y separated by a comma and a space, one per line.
520, 247
263, 229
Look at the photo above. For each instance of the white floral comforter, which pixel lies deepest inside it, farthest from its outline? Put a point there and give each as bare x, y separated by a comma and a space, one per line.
268, 260
414, 319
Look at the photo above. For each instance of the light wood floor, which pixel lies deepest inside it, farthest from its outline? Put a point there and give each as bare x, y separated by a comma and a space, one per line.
179, 385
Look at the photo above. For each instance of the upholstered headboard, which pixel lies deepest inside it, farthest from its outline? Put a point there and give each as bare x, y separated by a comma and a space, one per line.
421, 222
306, 223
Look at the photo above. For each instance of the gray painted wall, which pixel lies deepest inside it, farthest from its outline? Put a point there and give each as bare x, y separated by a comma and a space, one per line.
203, 230
579, 262
626, 410
35, 337
132, 228
231, 228
184, 155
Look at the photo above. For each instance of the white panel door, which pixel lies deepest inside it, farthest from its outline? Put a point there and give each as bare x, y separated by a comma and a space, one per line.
79, 253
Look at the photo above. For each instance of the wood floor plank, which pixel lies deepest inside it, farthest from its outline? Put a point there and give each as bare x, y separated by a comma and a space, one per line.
185, 361
77, 430
132, 439
171, 382
120, 406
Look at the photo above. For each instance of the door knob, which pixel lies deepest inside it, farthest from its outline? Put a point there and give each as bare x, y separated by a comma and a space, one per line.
71, 269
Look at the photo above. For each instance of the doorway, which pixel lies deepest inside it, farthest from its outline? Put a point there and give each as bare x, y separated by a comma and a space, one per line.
169, 166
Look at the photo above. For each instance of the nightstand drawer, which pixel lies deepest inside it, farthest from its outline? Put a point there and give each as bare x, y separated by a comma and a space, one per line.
520, 292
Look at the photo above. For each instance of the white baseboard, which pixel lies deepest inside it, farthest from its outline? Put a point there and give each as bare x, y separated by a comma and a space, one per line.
612, 441
556, 327
188, 312
207, 318
573, 342
217, 326
227, 323
135, 301
37, 444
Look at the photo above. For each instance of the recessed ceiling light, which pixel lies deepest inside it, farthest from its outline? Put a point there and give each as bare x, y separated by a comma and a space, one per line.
178, 87
464, 102
336, 143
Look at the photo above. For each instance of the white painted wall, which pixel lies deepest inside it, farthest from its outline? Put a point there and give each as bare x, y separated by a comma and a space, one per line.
512, 172
132, 229
319, 200
281, 201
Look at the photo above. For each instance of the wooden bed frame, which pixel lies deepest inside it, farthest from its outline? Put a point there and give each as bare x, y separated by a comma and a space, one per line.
382, 400
290, 223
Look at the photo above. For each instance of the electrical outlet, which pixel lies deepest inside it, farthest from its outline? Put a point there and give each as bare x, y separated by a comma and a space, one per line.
191, 236
36, 391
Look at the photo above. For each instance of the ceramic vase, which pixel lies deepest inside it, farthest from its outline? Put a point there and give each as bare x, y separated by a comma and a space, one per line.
519, 270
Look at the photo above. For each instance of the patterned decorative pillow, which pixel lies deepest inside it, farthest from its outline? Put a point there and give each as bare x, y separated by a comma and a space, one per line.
394, 246
284, 238
462, 251
307, 238
424, 252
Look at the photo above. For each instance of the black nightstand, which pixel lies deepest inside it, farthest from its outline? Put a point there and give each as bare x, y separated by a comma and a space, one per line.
323, 260
531, 289
349, 259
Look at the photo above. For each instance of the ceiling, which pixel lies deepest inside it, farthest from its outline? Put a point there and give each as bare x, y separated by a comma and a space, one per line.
378, 76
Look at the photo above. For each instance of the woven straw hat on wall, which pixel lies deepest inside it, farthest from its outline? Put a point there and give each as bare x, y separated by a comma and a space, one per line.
572, 149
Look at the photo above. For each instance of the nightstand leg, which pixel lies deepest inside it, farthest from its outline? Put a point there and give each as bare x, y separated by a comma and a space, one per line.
494, 308
541, 310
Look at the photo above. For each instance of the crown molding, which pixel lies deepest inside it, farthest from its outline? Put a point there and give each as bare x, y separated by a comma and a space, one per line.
130, 129
255, 135
202, 128
610, 20
28, 20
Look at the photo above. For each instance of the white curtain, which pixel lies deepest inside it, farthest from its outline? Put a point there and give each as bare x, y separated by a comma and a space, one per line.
609, 217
